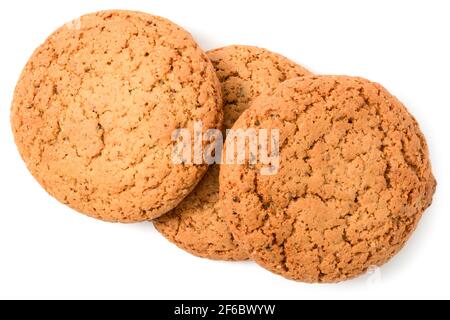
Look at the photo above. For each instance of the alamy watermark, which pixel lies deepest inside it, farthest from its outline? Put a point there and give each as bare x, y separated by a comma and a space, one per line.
253, 147
74, 24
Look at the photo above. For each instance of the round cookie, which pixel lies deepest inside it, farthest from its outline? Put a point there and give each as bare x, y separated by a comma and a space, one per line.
197, 225
95, 108
353, 180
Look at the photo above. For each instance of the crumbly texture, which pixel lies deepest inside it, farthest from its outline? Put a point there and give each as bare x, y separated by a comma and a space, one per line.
353, 182
96, 105
246, 72
197, 224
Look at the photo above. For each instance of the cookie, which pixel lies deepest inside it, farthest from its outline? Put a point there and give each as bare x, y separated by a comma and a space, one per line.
353, 180
95, 108
197, 224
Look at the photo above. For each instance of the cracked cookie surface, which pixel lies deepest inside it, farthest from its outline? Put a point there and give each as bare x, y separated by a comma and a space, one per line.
353, 181
95, 107
197, 224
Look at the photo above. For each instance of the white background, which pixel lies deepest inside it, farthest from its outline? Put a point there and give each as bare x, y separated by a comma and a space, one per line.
50, 251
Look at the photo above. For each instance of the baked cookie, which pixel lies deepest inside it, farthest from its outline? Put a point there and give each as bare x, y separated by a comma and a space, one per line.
95, 108
197, 225
353, 180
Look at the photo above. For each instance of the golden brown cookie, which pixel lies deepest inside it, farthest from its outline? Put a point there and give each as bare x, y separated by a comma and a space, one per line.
95, 108
197, 225
353, 181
